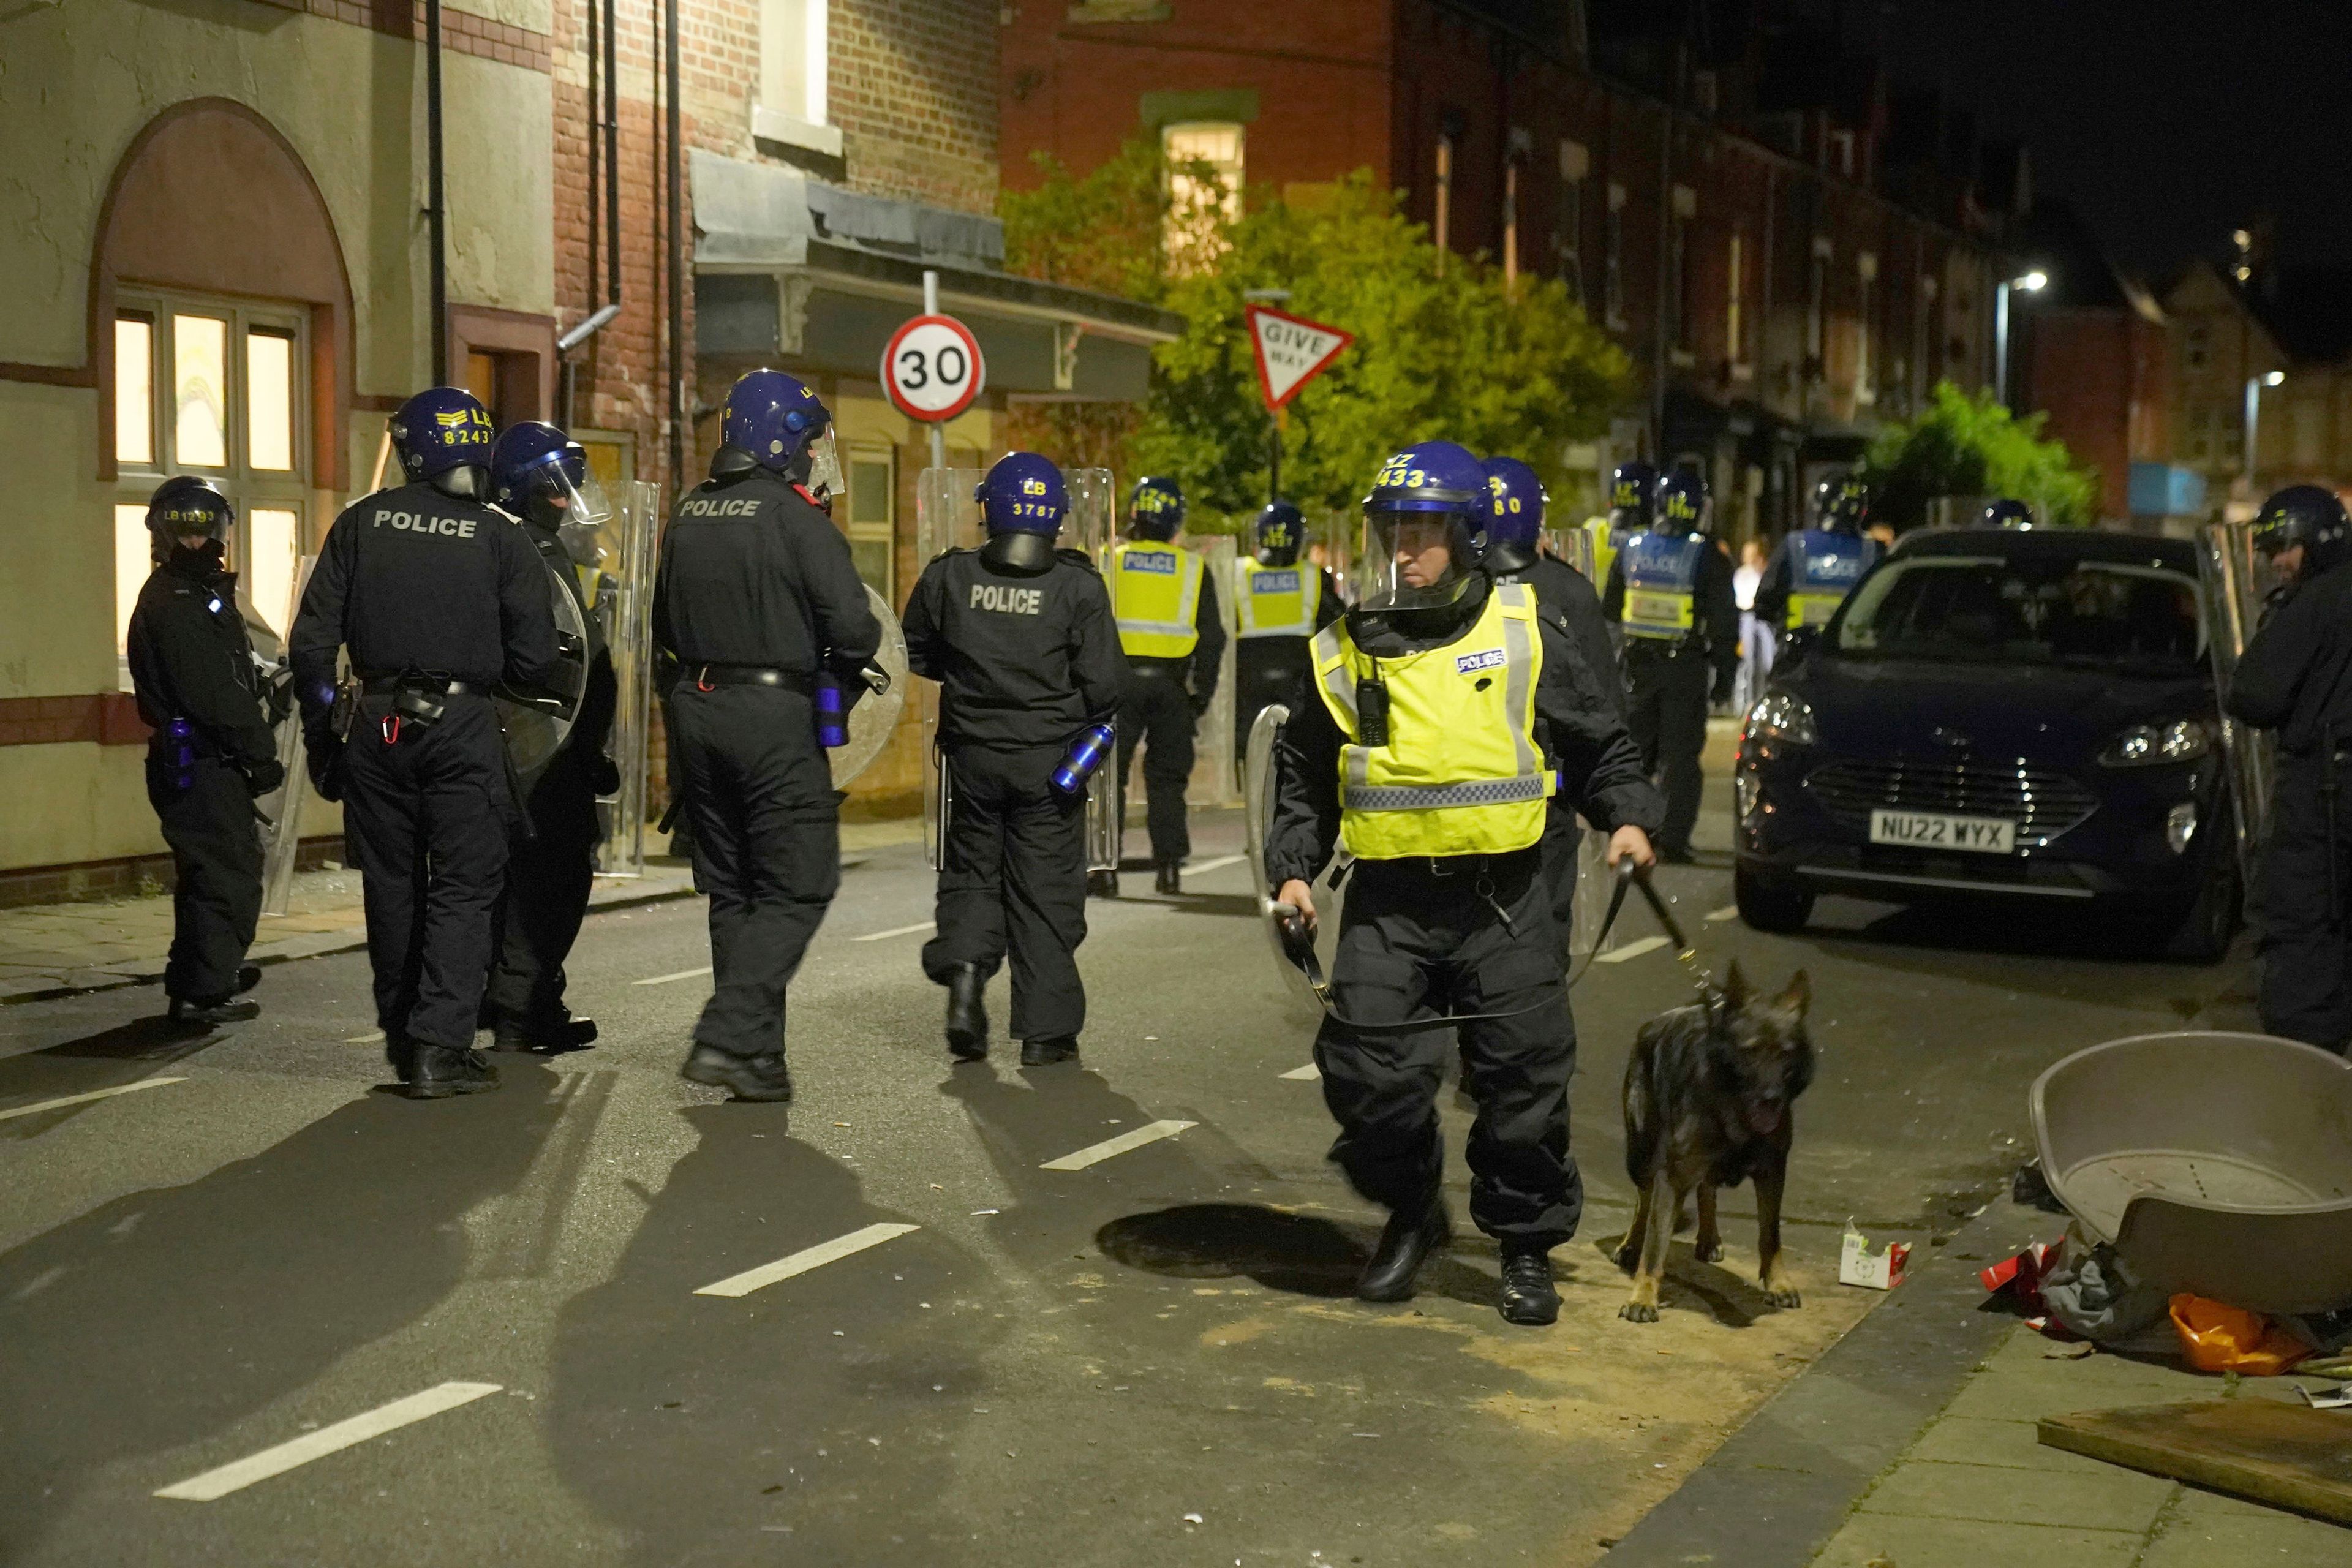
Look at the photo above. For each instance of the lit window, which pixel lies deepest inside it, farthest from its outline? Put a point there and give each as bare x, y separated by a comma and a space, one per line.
269, 400
872, 521
1444, 231
1204, 186
794, 59
273, 549
135, 557
200, 391
134, 391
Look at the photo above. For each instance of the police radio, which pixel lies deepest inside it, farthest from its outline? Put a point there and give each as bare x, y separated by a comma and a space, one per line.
1372, 711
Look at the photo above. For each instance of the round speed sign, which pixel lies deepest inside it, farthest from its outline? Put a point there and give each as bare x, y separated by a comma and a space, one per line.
933, 369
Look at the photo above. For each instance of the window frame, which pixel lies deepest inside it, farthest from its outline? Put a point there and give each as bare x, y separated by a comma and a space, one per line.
884, 533
1179, 244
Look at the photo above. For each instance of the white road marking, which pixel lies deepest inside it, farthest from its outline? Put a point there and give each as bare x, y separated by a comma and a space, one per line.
1095, 1153
1633, 950
326, 1440
1729, 912
39, 1106
894, 931
666, 979
1219, 864
371, 1038
1307, 1074
817, 1256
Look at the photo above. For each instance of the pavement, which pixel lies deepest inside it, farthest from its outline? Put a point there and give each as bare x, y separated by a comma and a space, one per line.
256, 1308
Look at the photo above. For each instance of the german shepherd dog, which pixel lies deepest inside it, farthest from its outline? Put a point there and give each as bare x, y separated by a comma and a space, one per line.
1707, 1099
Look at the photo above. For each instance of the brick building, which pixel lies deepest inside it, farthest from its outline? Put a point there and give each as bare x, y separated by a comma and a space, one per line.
1788, 253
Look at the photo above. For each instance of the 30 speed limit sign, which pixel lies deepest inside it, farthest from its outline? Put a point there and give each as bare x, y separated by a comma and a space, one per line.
933, 369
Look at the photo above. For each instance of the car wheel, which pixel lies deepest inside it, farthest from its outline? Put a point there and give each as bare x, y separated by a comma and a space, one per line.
2204, 929
1769, 905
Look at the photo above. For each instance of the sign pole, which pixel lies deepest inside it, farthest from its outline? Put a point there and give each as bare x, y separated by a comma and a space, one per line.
1276, 422
931, 307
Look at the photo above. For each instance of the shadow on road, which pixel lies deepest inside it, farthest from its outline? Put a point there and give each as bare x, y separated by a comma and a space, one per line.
163, 1318
124, 1053
1297, 1254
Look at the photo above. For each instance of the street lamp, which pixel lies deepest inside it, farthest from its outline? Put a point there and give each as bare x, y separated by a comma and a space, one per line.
2254, 384
2031, 282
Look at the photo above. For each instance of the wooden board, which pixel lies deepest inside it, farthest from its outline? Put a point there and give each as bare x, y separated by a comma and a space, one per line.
2288, 1455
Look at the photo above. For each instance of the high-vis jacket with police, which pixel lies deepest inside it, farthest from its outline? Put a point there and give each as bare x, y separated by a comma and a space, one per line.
1277, 601
1155, 591
1822, 569
1461, 772
1661, 573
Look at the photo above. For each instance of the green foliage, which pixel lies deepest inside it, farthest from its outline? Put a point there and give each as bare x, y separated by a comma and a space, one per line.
1102, 232
1964, 445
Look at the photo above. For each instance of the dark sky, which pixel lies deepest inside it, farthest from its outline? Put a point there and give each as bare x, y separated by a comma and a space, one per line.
2166, 122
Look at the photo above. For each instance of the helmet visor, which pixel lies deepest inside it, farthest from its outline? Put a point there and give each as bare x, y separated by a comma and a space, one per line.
1414, 560
577, 497
825, 477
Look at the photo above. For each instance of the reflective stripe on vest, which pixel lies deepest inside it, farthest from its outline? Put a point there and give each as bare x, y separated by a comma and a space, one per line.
1155, 591
1276, 601
1824, 567
1461, 773
1661, 573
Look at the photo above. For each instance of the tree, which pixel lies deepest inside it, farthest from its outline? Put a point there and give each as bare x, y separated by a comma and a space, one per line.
1964, 445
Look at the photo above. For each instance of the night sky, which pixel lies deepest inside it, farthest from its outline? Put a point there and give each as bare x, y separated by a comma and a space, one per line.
2167, 123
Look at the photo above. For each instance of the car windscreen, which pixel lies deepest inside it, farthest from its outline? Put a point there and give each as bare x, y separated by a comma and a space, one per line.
1992, 609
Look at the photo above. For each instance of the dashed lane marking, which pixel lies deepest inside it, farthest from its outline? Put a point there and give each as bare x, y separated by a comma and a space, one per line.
371, 1038
1633, 950
817, 1256
326, 1440
1729, 912
1307, 1074
666, 979
39, 1106
894, 931
1219, 864
1096, 1153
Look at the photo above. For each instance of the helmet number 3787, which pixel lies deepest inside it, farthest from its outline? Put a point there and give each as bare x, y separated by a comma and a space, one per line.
932, 368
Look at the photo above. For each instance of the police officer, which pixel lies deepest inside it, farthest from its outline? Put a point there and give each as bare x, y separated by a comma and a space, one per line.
757, 600
1175, 641
438, 596
2006, 513
1671, 590
212, 755
1633, 493
1812, 571
541, 477
1447, 705
2295, 677
1020, 637
1279, 602
1510, 555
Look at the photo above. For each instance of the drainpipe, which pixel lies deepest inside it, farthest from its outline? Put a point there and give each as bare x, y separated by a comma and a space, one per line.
678, 424
436, 209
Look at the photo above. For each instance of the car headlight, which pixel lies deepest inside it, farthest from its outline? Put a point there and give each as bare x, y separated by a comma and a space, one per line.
2149, 745
1783, 716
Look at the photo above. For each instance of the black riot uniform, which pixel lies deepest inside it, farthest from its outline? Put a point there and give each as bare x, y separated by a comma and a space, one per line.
212, 754
755, 597
552, 857
2295, 677
1027, 657
437, 598
1668, 685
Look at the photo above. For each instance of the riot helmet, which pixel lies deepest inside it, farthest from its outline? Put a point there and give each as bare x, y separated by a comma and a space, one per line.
1681, 506
2305, 515
2007, 511
443, 436
1023, 502
1841, 504
1516, 501
186, 507
1425, 527
1278, 534
775, 422
1155, 509
540, 475
1631, 492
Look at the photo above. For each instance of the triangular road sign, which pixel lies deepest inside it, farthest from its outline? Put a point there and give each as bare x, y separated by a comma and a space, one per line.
1291, 350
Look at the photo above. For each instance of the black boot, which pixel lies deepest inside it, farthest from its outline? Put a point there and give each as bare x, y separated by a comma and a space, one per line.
761, 1077
400, 1055
967, 1019
545, 1037
1412, 1235
441, 1072
212, 1015
1049, 1051
1527, 1295
1168, 877
248, 975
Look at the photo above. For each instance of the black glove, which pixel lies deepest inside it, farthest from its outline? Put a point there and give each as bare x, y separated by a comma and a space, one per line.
605, 775
1201, 701
277, 697
323, 756
262, 777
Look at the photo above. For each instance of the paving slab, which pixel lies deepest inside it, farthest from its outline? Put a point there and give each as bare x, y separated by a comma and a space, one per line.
1929, 1489
2266, 1539
1879, 1541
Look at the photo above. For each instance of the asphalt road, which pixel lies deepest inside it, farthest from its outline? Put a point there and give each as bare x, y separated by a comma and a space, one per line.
1152, 1358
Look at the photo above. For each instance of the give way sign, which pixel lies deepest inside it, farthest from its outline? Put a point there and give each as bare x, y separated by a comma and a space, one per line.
1291, 350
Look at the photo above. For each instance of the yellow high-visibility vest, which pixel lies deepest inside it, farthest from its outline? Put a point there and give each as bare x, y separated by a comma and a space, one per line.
1461, 773
1155, 595
1277, 601
1604, 550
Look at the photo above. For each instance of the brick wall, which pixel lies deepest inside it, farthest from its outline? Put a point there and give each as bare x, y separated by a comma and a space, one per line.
461, 31
913, 89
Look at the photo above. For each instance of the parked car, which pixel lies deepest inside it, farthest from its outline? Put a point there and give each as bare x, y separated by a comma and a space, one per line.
2028, 715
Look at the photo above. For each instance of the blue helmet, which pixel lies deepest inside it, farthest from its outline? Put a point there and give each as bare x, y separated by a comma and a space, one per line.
2006, 513
2309, 515
1681, 504
527, 460
771, 418
441, 429
1155, 509
1435, 476
183, 506
1633, 491
1023, 493
1279, 534
1424, 528
1518, 498
1841, 504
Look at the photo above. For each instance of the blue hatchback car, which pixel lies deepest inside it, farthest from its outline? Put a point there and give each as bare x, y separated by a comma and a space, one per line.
2028, 715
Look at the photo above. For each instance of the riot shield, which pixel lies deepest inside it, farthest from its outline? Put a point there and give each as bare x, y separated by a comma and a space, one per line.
2237, 579
281, 809
1257, 819
1590, 908
946, 518
1215, 768
1091, 528
1573, 546
535, 727
875, 719
623, 601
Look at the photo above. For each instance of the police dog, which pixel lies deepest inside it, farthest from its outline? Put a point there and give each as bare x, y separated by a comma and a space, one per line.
1708, 1101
